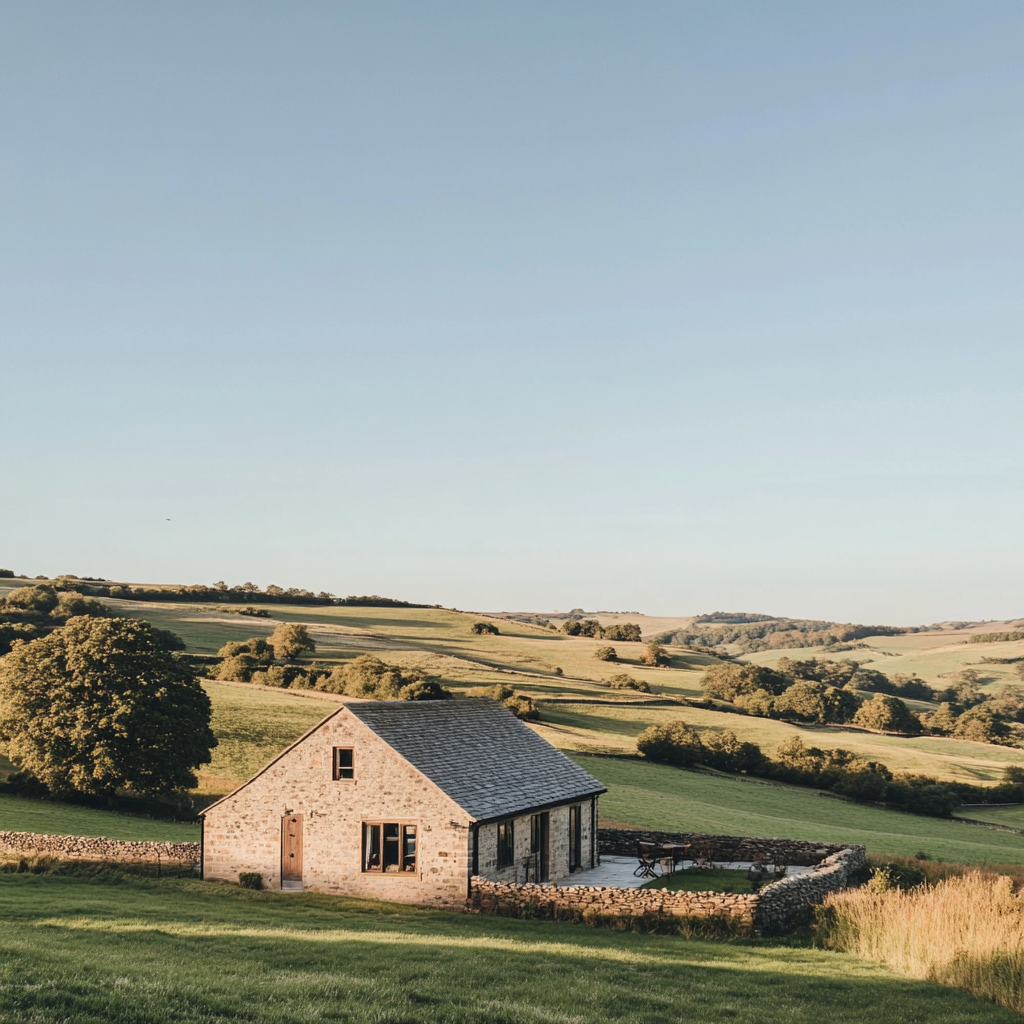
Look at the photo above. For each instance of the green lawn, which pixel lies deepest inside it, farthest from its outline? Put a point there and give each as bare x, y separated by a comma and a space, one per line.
144, 952
20, 815
660, 797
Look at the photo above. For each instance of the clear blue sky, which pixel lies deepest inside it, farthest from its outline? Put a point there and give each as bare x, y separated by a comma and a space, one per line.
663, 307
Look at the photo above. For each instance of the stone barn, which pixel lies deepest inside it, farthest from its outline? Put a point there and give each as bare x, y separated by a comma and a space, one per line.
406, 801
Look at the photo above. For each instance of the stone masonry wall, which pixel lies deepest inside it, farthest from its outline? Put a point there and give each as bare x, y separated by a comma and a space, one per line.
114, 851
767, 911
623, 842
243, 831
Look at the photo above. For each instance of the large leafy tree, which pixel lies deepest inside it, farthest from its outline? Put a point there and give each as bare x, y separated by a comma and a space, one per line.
103, 704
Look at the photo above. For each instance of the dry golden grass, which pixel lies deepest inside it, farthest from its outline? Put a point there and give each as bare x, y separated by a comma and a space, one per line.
966, 932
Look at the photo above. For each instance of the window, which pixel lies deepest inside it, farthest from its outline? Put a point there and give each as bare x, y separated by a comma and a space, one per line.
535, 833
344, 763
506, 844
575, 837
389, 847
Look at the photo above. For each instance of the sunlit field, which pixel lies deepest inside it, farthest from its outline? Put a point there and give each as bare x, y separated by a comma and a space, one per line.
145, 950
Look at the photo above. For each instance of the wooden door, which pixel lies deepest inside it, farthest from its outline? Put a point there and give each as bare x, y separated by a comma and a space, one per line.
291, 848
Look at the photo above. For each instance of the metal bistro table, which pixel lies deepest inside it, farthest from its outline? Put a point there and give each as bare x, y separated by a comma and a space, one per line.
651, 856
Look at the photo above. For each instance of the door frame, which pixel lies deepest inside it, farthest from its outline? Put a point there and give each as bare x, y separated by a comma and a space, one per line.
289, 872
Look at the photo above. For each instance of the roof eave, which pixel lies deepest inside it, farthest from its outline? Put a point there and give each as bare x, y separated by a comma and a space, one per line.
538, 808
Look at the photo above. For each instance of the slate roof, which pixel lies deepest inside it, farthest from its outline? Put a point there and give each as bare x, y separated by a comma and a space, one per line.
479, 753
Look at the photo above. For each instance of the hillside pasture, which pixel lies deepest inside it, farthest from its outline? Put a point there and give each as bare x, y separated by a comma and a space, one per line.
613, 728
48, 817
646, 795
203, 953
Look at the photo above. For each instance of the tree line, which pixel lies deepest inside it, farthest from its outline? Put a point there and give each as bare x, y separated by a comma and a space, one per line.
825, 692
628, 632
36, 611
836, 770
775, 633
221, 592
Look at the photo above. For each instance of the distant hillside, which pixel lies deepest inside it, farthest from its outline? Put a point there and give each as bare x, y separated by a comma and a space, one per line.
745, 632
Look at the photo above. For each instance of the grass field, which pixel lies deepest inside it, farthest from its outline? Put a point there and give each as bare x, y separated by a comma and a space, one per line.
20, 815
1010, 816
194, 952
610, 728
659, 797
253, 724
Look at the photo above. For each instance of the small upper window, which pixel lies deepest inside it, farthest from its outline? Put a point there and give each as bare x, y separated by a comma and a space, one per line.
344, 763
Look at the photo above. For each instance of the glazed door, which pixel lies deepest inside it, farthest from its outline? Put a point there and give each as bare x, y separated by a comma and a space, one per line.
291, 848
545, 870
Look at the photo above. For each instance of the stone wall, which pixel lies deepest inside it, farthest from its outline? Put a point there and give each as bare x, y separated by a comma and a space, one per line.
243, 831
113, 851
767, 911
590, 902
779, 902
623, 842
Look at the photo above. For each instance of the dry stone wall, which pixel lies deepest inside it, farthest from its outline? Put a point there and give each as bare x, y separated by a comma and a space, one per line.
623, 842
113, 851
770, 910
592, 902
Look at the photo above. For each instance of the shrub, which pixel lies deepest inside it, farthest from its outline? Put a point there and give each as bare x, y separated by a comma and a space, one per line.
480, 628
558, 671
522, 707
605, 654
654, 655
238, 669
622, 681
250, 880
424, 689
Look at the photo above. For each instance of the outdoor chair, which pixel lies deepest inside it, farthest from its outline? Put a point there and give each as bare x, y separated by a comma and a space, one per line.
647, 861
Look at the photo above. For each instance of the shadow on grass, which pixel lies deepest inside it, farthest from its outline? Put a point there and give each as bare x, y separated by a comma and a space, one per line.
197, 952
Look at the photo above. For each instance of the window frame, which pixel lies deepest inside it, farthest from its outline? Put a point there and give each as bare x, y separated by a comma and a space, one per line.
505, 840
406, 830
337, 768
575, 837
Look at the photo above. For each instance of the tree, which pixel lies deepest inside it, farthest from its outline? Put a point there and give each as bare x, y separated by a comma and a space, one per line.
480, 628
369, 677
290, 639
981, 724
727, 681
942, 720
884, 713
654, 654
605, 654
811, 701
760, 703
104, 704
672, 743
724, 751
629, 632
